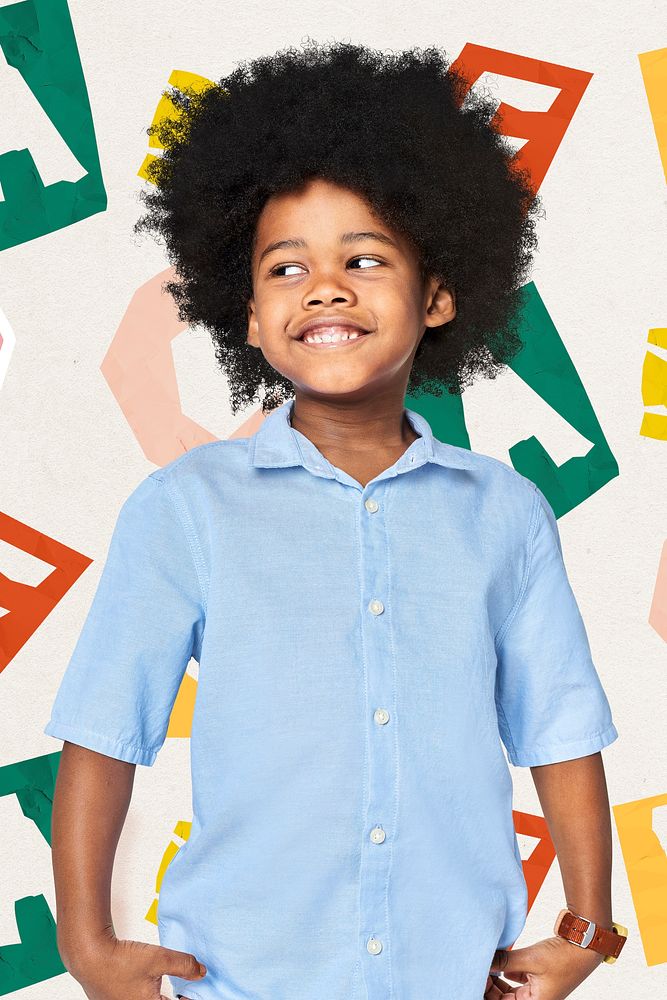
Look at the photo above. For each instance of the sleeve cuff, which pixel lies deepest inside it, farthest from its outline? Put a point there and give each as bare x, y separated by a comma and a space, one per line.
106, 745
563, 751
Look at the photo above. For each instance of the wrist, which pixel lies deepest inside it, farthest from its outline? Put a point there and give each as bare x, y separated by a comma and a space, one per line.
599, 912
584, 956
580, 931
77, 946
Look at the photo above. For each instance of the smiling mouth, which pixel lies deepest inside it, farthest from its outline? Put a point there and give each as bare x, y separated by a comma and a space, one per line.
333, 336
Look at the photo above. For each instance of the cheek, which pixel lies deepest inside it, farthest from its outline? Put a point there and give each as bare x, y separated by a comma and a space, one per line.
402, 319
274, 317
400, 304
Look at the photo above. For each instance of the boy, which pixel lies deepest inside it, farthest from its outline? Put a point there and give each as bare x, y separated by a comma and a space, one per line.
372, 610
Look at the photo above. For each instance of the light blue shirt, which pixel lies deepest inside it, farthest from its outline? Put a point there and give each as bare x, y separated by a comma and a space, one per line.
362, 653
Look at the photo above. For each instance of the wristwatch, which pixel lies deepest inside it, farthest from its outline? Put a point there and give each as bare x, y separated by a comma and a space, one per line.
587, 934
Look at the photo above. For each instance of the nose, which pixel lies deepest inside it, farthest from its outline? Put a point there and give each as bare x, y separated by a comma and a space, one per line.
327, 288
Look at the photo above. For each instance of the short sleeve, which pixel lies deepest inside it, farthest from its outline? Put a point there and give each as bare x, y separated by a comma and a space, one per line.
144, 625
550, 702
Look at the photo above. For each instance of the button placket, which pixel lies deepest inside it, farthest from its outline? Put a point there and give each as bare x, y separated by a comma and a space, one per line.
381, 793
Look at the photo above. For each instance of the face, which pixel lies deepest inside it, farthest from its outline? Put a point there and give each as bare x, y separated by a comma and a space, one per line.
322, 253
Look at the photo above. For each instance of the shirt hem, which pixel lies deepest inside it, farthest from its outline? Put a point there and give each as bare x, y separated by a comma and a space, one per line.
120, 749
186, 990
564, 751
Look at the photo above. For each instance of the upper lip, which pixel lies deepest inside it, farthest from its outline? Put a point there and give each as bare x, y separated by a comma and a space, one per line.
318, 321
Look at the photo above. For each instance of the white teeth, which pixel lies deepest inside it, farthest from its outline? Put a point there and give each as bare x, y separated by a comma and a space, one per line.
317, 338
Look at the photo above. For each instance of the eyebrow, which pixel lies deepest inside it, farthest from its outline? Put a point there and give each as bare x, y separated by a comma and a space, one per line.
297, 242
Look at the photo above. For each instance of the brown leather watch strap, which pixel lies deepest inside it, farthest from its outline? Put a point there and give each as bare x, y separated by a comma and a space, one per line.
577, 929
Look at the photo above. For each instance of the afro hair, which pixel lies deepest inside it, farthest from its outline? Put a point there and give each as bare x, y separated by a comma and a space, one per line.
404, 131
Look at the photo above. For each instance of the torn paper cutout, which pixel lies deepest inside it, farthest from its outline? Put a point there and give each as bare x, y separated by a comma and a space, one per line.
657, 616
180, 720
536, 867
37, 39
544, 364
646, 869
139, 370
7, 344
35, 958
27, 607
182, 830
543, 131
653, 66
654, 387
183, 81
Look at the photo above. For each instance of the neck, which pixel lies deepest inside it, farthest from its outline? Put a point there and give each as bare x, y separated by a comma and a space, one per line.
380, 425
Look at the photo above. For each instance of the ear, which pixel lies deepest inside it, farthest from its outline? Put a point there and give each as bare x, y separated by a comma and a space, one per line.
253, 327
440, 303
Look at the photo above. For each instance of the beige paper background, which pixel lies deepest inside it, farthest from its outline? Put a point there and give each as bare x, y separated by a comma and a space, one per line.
69, 458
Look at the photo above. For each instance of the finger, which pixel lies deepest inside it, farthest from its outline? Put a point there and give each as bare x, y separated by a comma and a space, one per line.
502, 988
500, 960
495, 993
490, 992
513, 962
178, 963
516, 977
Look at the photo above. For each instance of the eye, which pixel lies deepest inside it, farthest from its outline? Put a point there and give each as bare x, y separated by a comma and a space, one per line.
374, 259
281, 267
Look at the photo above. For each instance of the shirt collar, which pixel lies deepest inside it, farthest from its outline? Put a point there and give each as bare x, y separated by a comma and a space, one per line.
278, 444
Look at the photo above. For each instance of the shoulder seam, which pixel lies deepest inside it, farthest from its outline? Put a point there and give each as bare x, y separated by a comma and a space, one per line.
507, 468
194, 451
482, 457
532, 531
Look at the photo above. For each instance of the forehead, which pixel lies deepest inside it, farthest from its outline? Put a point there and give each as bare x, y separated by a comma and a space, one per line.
320, 213
318, 207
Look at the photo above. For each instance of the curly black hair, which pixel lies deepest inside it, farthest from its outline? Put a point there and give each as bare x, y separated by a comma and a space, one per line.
400, 129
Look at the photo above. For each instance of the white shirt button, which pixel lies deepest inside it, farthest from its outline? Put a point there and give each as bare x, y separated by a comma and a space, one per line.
371, 505
381, 716
374, 946
377, 607
377, 835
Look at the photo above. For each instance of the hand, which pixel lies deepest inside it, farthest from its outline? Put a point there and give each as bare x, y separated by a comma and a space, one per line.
112, 969
550, 970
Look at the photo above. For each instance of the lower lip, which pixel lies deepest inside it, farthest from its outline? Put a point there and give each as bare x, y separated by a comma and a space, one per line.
335, 343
